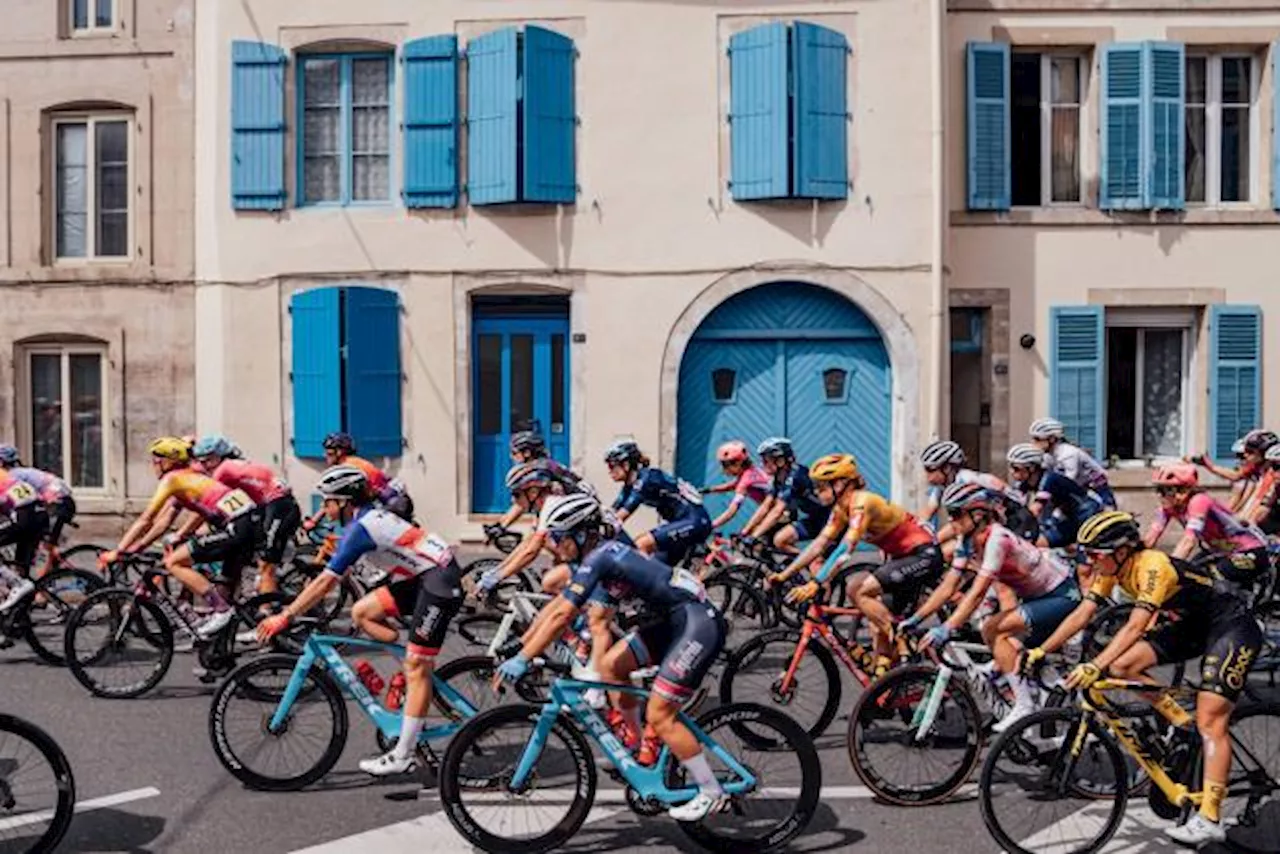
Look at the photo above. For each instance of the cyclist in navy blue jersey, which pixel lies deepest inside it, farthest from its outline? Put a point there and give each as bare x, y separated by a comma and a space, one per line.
685, 522
1059, 504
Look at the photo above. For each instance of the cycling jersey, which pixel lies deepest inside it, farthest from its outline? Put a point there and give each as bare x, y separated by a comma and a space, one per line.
1212, 523
259, 482
391, 544
379, 482
1029, 571
49, 487
15, 493
1078, 465
794, 489
865, 516
201, 494
671, 497
752, 483
1061, 493
626, 573
570, 481
1263, 495
1158, 583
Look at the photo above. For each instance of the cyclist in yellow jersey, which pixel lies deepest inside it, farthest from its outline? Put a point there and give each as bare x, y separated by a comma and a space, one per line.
913, 560
230, 514
1212, 620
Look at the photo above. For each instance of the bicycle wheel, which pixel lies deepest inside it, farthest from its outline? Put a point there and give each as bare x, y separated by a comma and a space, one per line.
58, 593
118, 645
788, 774
900, 756
479, 629
1030, 770
1254, 782
84, 556
745, 609
758, 669
311, 739
479, 765
37, 788
327, 609
520, 582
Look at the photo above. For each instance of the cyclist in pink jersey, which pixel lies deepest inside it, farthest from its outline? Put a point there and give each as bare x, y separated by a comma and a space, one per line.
1208, 525
749, 480
281, 515
1044, 583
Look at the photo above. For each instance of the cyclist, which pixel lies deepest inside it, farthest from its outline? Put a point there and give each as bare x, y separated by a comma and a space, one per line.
685, 636
1211, 621
529, 447
792, 513
913, 560
1244, 477
1267, 515
685, 522
230, 513
1044, 584
23, 522
281, 515
1256, 445
748, 480
340, 449
1073, 461
1240, 547
1059, 504
943, 463
53, 491
427, 585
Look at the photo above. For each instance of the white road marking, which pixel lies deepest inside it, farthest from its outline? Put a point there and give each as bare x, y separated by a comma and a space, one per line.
82, 807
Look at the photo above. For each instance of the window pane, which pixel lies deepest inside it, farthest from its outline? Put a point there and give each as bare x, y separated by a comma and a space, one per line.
1065, 142
1235, 79
1195, 154
1025, 131
1122, 390
722, 382
1235, 154
86, 420
111, 140
46, 412
370, 178
104, 13
1064, 78
558, 381
370, 79
833, 381
1197, 76
521, 380
80, 14
1162, 393
321, 81
73, 201
489, 357
370, 130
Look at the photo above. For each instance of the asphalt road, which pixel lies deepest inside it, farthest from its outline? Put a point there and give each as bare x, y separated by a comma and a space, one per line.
148, 781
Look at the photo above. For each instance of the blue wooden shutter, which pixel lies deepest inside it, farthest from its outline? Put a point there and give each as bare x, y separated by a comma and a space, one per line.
317, 368
1076, 395
431, 122
1275, 126
1235, 375
1124, 127
373, 371
820, 61
1165, 103
493, 78
257, 126
987, 81
759, 113
550, 121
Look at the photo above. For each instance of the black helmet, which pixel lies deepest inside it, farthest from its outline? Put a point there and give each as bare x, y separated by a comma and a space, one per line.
340, 442
529, 442
621, 452
1260, 440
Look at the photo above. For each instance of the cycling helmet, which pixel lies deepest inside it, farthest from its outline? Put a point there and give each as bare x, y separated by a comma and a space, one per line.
215, 445
1108, 531
834, 467
733, 452
1026, 454
8, 455
524, 475
1272, 455
528, 442
961, 497
170, 448
344, 482
340, 442
567, 514
945, 452
623, 451
1047, 428
1237, 447
1176, 474
1259, 440
776, 446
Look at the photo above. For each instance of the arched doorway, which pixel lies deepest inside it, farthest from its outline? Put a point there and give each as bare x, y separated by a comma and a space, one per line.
792, 359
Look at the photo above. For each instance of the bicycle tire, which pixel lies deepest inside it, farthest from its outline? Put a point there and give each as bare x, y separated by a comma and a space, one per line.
747, 611
751, 651
1011, 741
240, 676
87, 553
454, 783
466, 628
64, 779
164, 640
329, 608
54, 654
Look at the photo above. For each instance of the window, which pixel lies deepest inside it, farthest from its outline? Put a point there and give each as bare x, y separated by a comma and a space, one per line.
834, 381
346, 121
1045, 114
1147, 375
722, 384
66, 392
91, 181
1220, 92
92, 16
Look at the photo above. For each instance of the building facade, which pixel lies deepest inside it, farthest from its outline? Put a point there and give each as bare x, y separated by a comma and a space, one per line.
96, 245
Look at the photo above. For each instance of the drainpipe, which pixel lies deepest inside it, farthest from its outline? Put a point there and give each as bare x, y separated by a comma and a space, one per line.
937, 246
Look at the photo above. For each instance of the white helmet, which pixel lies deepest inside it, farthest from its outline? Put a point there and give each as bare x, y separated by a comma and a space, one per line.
1237, 447
1273, 454
342, 481
564, 514
944, 452
1026, 454
1047, 428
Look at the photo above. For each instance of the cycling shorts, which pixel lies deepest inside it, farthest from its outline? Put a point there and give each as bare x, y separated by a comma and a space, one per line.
903, 579
280, 521
686, 642
432, 603
808, 526
1045, 613
1228, 638
61, 512
1106, 495
24, 529
232, 544
675, 539
1060, 531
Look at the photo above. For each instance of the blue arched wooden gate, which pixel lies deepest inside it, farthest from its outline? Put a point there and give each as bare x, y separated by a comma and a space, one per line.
786, 359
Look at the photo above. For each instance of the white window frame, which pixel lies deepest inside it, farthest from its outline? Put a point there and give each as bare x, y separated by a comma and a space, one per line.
64, 352
1046, 126
93, 28
1142, 319
1213, 128
90, 120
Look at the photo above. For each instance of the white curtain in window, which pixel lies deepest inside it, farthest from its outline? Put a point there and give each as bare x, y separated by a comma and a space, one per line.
370, 131
72, 201
1162, 393
322, 130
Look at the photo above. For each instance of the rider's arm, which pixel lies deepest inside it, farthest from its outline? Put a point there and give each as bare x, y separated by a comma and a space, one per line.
1129, 634
189, 525
1186, 546
311, 595
770, 519
758, 515
1231, 475
810, 553
727, 486
940, 596
551, 622
729, 512
1069, 627
970, 602
852, 536
162, 523
525, 554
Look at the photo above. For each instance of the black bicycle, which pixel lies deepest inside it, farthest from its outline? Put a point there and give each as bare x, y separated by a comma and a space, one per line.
40, 617
37, 789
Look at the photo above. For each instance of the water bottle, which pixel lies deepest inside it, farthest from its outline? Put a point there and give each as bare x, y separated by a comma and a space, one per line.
395, 692
369, 676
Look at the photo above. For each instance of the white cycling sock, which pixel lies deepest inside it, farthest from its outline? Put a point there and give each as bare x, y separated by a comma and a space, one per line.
700, 770
1021, 690
409, 729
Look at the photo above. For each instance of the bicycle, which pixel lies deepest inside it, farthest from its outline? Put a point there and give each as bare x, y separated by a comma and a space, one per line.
40, 617
1037, 758
473, 777
37, 788
288, 689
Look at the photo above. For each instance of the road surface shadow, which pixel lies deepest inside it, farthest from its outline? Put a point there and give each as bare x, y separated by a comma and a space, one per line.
109, 829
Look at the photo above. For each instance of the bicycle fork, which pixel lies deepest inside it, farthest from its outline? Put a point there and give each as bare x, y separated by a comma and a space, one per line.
292, 690
532, 750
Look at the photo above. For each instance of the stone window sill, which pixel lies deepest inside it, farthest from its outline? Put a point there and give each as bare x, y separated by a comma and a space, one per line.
1039, 217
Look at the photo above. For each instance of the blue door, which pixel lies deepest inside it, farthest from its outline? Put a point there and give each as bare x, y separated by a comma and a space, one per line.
520, 381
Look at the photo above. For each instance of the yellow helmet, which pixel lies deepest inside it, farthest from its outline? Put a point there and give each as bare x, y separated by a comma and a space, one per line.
834, 467
170, 448
1109, 530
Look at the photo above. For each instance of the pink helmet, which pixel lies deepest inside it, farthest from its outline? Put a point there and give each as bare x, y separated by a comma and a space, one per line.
1176, 474
733, 452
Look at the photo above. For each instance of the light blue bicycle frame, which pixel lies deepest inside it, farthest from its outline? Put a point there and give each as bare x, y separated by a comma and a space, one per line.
648, 782
387, 722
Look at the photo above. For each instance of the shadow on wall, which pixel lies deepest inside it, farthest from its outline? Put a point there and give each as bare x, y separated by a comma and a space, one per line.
807, 220
544, 232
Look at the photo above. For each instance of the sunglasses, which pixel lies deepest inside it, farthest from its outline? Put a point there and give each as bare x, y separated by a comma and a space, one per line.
1094, 554
933, 468
1168, 490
